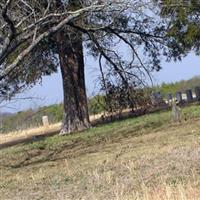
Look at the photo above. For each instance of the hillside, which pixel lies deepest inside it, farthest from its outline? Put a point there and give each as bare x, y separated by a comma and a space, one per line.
148, 157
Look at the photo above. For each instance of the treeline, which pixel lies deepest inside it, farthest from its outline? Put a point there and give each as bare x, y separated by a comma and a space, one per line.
172, 88
33, 117
30, 118
98, 104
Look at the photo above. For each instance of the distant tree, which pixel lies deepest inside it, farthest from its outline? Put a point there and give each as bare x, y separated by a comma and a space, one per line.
37, 37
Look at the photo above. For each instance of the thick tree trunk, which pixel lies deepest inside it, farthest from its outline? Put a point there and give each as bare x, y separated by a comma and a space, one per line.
76, 116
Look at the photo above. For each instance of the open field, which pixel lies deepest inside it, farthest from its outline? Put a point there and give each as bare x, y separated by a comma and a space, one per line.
8, 137
20, 136
37, 131
148, 157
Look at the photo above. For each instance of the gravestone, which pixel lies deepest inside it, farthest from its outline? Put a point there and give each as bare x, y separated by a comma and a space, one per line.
179, 98
176, 112
169, 98
45, 121
189, 96
197, 92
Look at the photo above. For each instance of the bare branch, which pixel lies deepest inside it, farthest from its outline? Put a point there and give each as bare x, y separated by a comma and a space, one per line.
41, 37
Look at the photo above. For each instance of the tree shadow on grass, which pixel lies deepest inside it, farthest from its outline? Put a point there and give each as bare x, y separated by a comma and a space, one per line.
42, 155
77, 147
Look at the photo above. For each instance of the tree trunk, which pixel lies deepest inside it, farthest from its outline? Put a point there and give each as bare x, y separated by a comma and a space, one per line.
76, 117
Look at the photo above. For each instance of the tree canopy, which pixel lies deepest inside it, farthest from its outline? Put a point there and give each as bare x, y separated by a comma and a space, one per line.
184, 23
28, 37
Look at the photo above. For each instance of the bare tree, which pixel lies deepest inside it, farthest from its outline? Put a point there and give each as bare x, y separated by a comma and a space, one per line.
38, 36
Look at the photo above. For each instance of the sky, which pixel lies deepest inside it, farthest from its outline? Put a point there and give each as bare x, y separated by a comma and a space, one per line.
50, 91
176, 71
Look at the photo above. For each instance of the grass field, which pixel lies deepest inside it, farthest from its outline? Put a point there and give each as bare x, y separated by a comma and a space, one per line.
27, 133
148, 157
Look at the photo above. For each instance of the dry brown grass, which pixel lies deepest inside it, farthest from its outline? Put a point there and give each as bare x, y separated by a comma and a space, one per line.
165, 192
42, 130
139, 159
28, 133
20, 134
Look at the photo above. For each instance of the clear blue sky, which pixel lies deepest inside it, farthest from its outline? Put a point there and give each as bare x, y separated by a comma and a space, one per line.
175, 71
50, 91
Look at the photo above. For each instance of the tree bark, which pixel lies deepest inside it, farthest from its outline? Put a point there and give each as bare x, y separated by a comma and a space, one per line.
76, 117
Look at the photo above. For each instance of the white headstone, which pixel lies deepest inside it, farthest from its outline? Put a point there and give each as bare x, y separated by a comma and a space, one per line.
45, 121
